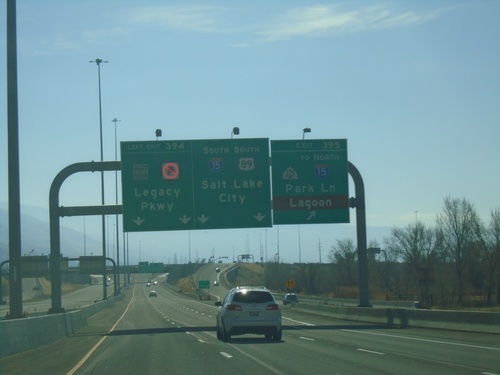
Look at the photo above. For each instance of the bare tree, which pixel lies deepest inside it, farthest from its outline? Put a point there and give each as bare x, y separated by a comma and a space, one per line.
489, 240
458, 225
344, 255
418, 247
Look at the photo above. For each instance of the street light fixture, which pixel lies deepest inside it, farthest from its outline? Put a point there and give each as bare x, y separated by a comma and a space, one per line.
99, 61
304, 131
158, 133
236, 131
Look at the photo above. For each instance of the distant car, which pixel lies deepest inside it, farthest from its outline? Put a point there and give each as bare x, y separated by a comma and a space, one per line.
148, 284
152, 294
216, 283
290, 298
217, 269
248, 310
155, 282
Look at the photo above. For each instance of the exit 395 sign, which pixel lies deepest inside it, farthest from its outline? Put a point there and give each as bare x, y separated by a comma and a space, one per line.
310, 181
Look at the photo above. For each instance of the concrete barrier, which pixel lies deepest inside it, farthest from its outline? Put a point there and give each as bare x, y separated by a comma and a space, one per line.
20, 335
397, 317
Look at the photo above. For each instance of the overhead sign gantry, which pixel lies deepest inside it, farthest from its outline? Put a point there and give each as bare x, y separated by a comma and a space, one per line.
136, 167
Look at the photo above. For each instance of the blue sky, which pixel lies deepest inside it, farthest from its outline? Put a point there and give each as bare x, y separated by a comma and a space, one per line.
414, 86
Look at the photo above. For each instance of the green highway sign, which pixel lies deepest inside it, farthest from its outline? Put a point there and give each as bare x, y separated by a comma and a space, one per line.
197, 184
204, 284
143, 267
310, 181
156, 268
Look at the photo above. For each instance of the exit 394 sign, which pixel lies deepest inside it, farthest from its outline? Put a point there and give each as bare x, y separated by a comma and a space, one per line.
196, 184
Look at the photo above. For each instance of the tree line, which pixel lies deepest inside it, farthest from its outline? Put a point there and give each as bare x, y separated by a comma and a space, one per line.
455, 263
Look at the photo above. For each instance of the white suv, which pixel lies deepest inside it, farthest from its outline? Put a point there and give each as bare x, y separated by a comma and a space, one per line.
248, 310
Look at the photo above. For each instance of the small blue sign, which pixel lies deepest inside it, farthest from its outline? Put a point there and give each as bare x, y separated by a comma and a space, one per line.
322, 170
216, 164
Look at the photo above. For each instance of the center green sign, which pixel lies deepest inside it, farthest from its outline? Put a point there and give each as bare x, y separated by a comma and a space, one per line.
310, 181
197, 184
204, 284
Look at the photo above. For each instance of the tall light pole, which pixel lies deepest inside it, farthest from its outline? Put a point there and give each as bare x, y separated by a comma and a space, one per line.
300, 250
15, 267
115, 120
99, 61
278, 246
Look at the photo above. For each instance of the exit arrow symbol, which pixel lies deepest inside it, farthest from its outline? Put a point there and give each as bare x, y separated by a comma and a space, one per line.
185, 219
312, 214
139, 220
259, 217
203, 218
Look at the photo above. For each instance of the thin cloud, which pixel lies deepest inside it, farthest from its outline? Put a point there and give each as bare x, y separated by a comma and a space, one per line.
322, 20
312, 21
189, 18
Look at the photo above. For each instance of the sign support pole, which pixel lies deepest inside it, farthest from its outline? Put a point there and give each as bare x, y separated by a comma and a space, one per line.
359, 203
55, 212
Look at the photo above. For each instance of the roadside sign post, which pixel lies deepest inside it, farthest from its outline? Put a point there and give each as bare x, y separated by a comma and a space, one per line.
290, 284
310, 181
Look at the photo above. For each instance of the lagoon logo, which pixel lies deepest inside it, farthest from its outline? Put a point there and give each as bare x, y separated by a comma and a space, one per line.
216, 164
322, 170
290, 174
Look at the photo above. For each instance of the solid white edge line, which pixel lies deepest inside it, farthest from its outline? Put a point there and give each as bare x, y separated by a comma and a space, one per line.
424, 340
370, 351
84, 359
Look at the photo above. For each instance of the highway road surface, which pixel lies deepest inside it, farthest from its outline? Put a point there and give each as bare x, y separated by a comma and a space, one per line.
175, 334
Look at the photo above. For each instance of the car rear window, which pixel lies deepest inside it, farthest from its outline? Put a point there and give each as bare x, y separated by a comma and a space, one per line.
252, 297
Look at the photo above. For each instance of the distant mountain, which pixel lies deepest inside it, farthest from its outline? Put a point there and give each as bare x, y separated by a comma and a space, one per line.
35, 234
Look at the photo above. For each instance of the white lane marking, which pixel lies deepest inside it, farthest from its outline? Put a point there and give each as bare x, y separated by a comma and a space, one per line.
259, 361
298, 321
425, 340
197, 337
489, 373
370, 351
226, 355
306, 338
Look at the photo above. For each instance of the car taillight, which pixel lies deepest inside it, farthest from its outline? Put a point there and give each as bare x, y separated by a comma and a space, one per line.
274, 306
234, 307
